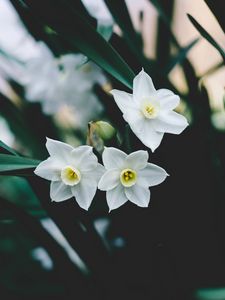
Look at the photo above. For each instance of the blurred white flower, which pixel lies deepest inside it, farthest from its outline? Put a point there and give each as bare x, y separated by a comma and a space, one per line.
64, 81
55, 82
41, 255
5, 133
128, 177
16, 44
14, 37
74, 172
149, 112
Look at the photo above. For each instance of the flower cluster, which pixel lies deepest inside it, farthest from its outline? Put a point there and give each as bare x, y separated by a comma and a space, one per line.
75, 172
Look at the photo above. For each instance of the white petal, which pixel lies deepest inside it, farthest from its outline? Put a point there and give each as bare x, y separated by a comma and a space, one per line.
49, 169
138, 195
84, 193
137, 160
143, 86
167, 99
171, 122
116, 197
109, 180
134, 116
98, 172
123, 100
113, 158
59, 191
151, 175
147, 134
59, 149
94, 175
83, 158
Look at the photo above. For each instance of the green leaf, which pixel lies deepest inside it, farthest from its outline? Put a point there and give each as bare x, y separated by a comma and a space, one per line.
7, 149
211, 294
17, 190
16, 165
163, 41
207, 36
105, 31
80, 35
122, 18
180, 56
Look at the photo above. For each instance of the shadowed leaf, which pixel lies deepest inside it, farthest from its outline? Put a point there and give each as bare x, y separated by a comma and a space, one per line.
11, 164
80, 35
207, 36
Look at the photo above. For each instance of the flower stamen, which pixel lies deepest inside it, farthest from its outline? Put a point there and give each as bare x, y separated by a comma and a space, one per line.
70, 176
149, 110
128, 177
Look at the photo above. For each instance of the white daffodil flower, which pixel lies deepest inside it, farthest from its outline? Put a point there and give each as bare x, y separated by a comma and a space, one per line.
149, 112
74, 172
67, 80
128, 177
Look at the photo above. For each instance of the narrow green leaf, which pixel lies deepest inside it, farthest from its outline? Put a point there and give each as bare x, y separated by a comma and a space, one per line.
161, 11
6, 148
211, 294
11, 164
180, 56
163, 40
207, 36
122, 18
80, 35
105, 31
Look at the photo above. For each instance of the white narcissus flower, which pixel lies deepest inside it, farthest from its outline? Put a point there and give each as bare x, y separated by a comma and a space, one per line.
66, 80
74, 172
128, 177
149, 112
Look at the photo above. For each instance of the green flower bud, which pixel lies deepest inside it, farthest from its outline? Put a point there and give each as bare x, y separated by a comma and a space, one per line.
105, 130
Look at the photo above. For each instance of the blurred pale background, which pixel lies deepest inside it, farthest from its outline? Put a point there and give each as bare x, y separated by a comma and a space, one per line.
202, 55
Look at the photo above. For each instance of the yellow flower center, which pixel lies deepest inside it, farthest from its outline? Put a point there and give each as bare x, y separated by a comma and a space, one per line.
149, 110
70, 176
128, 177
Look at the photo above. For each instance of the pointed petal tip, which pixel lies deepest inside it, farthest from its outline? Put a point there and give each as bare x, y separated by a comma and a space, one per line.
36, 171
85, 207
48, 139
